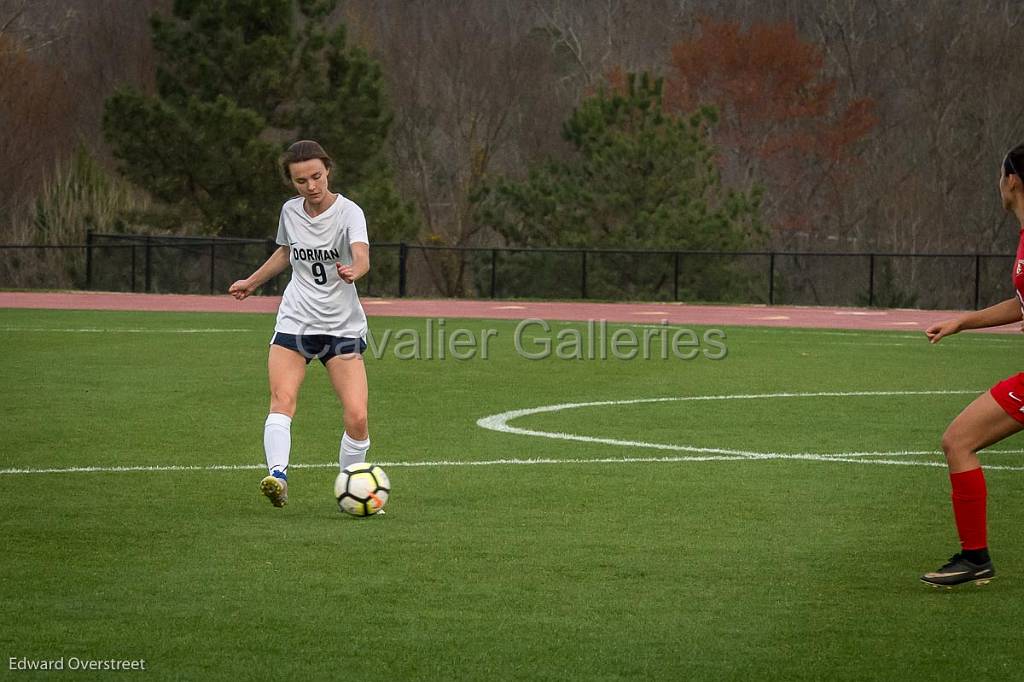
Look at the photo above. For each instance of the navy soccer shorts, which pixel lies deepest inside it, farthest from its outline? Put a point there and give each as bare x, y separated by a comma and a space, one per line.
320, 346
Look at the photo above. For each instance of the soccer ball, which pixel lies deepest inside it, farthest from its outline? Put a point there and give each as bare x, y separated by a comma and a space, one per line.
362, 489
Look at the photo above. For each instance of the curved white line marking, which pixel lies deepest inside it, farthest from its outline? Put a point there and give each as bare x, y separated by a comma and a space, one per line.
499, 422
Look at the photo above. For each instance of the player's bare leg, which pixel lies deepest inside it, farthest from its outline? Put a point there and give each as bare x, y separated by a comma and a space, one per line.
286, 370
981, 424
348, 377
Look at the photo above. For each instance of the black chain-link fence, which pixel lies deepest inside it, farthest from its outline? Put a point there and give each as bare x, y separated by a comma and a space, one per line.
206, 265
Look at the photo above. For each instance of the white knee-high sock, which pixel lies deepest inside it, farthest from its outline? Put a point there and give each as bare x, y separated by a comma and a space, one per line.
277, 443
352, 451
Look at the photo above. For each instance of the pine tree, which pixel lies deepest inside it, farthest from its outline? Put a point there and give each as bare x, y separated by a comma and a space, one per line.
638, 178
237, 81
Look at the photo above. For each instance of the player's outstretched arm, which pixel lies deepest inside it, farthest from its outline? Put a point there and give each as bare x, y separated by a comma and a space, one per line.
994, 316
360, 263
274, 266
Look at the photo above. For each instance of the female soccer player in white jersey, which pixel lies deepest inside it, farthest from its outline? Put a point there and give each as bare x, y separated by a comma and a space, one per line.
323, 236
993, 416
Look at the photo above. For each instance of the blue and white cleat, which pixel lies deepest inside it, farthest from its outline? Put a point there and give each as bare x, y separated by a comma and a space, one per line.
276, 490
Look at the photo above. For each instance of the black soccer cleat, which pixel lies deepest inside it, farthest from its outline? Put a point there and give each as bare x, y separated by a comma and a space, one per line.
958, 571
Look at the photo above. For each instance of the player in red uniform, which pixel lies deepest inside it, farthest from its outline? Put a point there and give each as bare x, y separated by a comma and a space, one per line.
990, 418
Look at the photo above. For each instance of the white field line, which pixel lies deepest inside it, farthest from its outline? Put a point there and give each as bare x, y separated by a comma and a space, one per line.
839, 457
987, 338
971, 336
438, 463
499, 422
775, 331
879, 344
94, 330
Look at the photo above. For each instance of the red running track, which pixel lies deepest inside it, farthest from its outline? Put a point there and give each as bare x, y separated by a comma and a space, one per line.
673, 313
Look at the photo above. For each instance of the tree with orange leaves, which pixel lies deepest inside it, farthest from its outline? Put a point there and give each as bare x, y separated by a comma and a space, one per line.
781, 121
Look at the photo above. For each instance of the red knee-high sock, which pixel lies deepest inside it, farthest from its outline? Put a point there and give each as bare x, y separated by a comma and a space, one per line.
969, 501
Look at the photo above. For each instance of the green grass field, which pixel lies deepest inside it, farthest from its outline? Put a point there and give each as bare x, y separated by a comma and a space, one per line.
736, 568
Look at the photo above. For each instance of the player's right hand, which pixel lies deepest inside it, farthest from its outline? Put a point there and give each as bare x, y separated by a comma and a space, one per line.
241, 289
940, 330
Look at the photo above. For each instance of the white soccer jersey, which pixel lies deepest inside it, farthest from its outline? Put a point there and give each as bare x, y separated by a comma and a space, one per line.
317, 300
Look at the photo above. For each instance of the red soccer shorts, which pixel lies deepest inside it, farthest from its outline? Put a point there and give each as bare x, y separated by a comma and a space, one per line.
1009, 393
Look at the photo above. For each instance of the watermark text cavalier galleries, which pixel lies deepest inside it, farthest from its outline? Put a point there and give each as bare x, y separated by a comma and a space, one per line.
534, 339
74, 663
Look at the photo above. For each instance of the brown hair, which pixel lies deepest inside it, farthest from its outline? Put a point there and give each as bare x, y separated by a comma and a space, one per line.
303, 150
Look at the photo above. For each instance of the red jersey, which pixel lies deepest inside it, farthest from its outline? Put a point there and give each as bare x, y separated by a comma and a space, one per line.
1018, 270
1009, 392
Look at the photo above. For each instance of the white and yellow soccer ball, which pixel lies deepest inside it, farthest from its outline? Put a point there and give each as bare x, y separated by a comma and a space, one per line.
362, 489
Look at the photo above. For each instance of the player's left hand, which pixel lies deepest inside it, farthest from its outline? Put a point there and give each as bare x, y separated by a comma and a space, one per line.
346, 273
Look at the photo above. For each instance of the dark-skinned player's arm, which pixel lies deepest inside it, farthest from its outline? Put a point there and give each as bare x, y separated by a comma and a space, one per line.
994, 316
